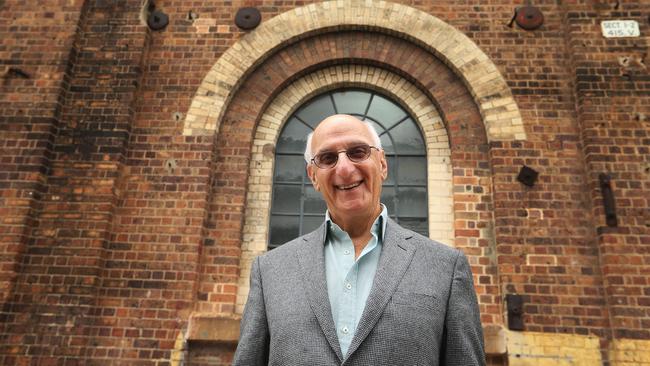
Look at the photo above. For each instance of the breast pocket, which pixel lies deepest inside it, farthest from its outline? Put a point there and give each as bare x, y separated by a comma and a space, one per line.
414, 299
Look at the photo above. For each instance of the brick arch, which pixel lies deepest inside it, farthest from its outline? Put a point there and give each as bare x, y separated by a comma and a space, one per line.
260, 183
489, 89
471, 174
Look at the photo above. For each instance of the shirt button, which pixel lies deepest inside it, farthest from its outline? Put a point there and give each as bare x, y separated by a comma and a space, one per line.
346, 252
344, 330
348, 286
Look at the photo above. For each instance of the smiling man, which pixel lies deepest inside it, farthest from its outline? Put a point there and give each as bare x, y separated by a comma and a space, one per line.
360, 290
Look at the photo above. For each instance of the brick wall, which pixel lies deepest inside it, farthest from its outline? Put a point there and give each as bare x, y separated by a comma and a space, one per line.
612, 88
34, 53
125, 157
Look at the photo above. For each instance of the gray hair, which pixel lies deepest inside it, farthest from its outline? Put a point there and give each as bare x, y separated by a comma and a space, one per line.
375, 140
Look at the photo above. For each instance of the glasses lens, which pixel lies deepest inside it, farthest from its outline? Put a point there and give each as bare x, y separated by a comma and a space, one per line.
326, 159
358, 153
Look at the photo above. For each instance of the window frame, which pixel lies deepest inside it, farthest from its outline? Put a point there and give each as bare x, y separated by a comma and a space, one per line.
395, 156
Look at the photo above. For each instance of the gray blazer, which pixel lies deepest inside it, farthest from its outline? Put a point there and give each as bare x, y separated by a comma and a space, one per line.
422, 308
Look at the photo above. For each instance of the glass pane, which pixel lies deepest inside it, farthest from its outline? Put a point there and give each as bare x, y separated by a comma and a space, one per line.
392, 173
419, 225
286, 199
317, 110
385, 111
311, 223
412, 202
412, 170
313, 201
293, 137
388, 199
283, 229
289, 168
407, 138
351, 102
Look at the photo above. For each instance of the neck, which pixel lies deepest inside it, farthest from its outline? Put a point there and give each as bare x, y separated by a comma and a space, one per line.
358, 228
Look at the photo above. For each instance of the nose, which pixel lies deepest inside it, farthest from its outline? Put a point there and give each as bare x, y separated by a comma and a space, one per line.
344, 166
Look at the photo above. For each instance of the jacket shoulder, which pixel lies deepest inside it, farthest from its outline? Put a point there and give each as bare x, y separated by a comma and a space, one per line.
424, 243
436, 246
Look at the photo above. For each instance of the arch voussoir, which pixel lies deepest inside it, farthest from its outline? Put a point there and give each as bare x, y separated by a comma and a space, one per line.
496, 105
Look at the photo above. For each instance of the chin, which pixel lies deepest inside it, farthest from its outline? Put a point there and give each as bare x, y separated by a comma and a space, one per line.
353, 207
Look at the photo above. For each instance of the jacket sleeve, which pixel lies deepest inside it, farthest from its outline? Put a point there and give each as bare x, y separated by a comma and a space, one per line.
253, 347
463, 336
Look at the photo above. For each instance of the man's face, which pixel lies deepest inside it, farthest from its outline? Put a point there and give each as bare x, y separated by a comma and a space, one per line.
351, 190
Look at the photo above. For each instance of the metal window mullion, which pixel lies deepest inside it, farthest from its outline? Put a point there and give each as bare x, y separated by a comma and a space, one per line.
399, 122
365, 113
303, 122
336, 110
302, 203
395, 185
284, 214
287, 183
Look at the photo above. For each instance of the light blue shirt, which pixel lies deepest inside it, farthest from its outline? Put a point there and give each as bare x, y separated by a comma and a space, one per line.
349, 281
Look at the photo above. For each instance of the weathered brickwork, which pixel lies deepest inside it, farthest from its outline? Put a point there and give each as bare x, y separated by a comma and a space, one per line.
136, 165
629, 352
548, 349
34, 56
612, 90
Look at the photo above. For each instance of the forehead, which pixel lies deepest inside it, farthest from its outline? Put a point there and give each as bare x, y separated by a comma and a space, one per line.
341, 133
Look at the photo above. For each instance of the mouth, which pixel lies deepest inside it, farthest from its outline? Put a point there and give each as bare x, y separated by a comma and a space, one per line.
348, 187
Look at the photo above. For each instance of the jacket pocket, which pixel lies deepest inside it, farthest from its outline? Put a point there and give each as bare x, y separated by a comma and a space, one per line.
414, 299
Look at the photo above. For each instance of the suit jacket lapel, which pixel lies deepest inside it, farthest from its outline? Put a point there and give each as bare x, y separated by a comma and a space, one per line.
311, 258
395, 258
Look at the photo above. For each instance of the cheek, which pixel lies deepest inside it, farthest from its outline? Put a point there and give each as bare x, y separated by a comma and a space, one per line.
319, 181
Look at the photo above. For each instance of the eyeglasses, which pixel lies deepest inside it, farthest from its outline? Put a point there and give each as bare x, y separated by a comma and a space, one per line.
356, 154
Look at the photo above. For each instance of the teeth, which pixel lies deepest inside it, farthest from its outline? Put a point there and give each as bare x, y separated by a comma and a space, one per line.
350, 186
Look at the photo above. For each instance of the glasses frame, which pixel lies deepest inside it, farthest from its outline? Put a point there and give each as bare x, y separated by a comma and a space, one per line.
346, 151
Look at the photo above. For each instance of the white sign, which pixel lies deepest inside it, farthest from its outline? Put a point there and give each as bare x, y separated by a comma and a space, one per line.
620, 28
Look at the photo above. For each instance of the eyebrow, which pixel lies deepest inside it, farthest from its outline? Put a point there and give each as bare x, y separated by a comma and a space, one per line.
352, 144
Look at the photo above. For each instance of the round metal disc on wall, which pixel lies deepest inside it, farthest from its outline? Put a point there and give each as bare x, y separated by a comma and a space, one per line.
529, 17
157, 20
248, 18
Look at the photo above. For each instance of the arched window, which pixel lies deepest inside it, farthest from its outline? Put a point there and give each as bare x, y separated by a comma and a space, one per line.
298, 209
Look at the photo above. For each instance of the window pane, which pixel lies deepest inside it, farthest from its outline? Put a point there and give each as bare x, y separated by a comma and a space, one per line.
286, 199
351, 102
412, 202
283, 229
293, 137
289, 168
388, 199
317, 110
419, 225
412, 170
407, 138
385, 111
313, 201
311, 223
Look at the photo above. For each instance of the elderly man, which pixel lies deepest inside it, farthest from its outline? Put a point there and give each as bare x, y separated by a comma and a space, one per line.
360, 290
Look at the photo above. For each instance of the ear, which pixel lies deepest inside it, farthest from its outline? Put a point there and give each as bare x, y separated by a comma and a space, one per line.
312, 176
384, 166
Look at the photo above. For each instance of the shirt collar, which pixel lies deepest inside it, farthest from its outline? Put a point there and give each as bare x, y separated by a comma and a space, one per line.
378, 227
